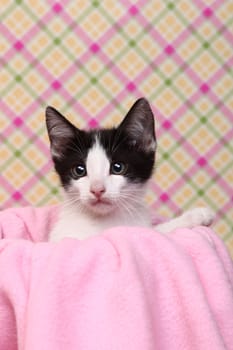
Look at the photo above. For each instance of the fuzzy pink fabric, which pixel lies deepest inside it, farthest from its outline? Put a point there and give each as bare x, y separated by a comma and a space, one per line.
127, 289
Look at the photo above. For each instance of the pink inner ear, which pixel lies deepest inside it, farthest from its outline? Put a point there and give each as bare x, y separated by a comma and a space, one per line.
150, 144
133, 142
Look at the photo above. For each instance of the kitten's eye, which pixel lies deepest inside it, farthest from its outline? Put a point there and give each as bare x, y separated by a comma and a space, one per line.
118, 168
78, 171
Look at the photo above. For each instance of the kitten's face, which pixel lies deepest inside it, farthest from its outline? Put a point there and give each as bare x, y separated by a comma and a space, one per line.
107, 169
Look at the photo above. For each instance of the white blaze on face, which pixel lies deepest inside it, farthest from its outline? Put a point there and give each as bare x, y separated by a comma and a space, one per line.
97, 165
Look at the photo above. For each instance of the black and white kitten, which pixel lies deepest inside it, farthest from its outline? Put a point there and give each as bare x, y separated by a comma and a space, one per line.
104, 173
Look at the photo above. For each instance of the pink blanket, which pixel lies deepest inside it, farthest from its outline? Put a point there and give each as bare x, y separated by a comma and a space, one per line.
128, 289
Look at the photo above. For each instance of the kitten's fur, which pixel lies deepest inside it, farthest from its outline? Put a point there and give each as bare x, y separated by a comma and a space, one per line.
104, 173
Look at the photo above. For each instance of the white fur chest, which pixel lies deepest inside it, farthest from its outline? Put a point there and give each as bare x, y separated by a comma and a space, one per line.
75, 224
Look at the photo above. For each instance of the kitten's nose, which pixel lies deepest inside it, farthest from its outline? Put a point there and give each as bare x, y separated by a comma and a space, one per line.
97, 189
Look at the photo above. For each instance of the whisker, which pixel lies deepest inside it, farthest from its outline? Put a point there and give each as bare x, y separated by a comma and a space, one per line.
133, 210
123, 205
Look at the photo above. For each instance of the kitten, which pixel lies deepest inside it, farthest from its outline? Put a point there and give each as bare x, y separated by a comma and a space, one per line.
104, 173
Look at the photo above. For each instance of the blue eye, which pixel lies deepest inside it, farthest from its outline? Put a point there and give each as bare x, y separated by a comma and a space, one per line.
118, 168
78, 171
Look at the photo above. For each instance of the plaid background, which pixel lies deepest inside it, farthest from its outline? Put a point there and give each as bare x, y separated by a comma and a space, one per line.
91, 60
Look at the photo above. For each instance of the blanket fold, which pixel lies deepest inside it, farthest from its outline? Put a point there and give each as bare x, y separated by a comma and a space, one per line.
129, 288
29, 223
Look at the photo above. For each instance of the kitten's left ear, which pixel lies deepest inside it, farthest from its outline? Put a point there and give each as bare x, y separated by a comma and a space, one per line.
139, 125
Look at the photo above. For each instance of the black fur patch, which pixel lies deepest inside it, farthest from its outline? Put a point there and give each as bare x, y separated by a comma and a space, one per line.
130, 143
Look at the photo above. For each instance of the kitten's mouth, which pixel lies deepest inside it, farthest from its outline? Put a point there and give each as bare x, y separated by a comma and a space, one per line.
99, 201
101, 206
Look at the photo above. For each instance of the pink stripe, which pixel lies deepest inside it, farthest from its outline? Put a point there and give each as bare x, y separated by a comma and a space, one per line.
25, 39
6, 185
101, 41
195, 97
225, 209
12, 203
105, 59
216, 101
6, 110
214, 5
158, 203
195, 155
178, 59
6, 133
32, 135
218, 146
220, 72
27, 186
27, 55
214, 19
75, 104
36, 28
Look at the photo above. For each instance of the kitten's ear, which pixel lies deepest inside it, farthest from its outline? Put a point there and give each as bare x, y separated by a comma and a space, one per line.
60, 131
139, 125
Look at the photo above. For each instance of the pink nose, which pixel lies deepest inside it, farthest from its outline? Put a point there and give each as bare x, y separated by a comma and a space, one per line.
97, 190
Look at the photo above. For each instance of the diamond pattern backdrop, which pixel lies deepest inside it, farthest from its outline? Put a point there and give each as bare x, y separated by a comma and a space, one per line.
91, 60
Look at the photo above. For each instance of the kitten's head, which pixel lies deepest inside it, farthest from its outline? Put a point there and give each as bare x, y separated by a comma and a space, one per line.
104, 170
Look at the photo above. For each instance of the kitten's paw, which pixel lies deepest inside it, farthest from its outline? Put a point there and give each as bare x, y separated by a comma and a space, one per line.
199, 217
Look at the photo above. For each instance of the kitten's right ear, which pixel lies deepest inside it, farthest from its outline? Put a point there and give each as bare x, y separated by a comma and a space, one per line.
139, 126
60, 131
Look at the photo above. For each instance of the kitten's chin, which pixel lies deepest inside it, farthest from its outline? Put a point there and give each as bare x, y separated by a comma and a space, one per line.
100, 208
